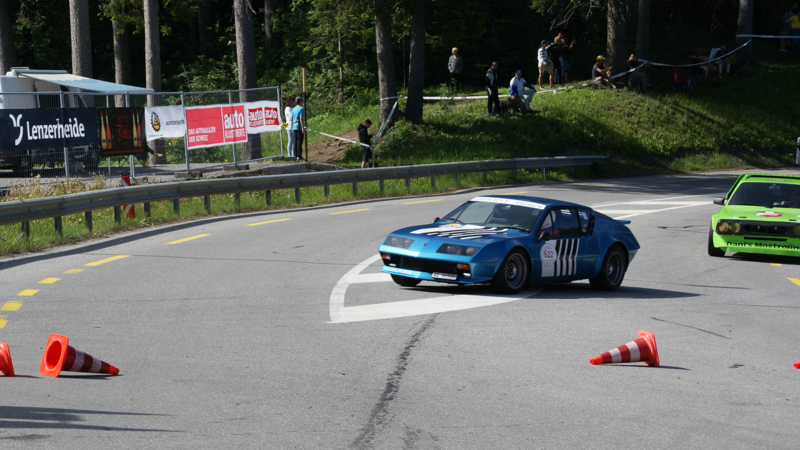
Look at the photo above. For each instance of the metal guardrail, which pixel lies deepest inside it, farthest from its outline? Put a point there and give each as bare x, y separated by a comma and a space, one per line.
25, 211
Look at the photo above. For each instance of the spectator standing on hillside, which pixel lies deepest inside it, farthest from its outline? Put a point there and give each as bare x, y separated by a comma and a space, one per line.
545, 65
518, 92
794, 21
637, 78
492, 84
287, 114
299, 127
455, 65
722, 52
600, 73
554, 53
786, 30
566, 53
365, 138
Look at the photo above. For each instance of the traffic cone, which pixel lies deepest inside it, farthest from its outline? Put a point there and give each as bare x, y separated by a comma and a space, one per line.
59, 355
796, 365
642, 349
6, 368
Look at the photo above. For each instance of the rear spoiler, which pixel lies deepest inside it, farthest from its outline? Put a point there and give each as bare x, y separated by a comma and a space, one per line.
624, 222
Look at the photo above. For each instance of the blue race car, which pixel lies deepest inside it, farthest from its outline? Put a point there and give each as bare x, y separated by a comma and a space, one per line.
512, 241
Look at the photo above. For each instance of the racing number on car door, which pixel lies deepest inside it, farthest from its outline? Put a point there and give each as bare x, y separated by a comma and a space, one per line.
563, 231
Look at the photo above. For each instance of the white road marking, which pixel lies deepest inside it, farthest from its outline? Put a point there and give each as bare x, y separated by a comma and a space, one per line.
654, 202
611, 212
392, 310
370, 278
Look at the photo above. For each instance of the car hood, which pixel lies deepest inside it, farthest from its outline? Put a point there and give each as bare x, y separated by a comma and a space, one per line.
760, 213
474, 235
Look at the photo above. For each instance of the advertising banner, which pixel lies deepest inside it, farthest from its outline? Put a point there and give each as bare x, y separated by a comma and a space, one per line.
211, 126
120, 131
263, 117
41, 128
164, 122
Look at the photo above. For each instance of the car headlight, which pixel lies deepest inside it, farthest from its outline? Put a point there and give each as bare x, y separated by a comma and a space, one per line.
736, 227
796, 230
397, 241
461, 250
728, 227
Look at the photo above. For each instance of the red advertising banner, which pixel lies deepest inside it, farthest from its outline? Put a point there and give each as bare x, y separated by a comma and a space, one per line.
263, 116
211, 126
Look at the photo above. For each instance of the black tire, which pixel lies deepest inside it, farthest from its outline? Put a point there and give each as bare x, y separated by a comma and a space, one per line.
612, 271
514, 274
405, 281
713, 251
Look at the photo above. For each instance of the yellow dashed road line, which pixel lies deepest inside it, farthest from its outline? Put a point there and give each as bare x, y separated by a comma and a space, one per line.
188, 239
776, 264
11, 306
351, 211
794, 280
423, 201
264, 223
28, 293
49, 280
74, 271
3, 321
107, 260
587, 186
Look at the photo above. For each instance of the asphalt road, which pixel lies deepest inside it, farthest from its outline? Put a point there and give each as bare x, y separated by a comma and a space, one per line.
284, 335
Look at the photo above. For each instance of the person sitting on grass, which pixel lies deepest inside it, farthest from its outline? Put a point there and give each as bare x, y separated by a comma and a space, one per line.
637, 78
600, 73
365, 138
518, 92
721, 52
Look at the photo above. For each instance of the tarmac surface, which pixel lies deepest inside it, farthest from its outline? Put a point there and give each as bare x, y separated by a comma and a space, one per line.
233, 332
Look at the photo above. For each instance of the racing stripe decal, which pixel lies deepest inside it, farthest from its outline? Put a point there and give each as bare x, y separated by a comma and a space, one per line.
560, 258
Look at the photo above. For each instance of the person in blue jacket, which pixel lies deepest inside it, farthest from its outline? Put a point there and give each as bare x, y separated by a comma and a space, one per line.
518, 92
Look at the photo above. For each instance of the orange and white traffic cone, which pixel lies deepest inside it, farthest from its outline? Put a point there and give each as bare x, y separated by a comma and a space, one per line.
128, 210
59, 355
6, 368
797, 365
641, 349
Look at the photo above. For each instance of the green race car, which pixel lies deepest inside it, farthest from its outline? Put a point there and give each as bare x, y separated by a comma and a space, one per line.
760, 214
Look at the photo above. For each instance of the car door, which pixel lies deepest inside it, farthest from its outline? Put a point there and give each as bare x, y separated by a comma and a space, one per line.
561, 237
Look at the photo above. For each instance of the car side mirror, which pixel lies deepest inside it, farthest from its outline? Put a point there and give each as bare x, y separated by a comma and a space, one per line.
436, 219
719, 201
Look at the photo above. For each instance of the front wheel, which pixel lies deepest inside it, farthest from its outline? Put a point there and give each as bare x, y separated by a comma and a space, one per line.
405, 281
513, 274
612, 271
713, 251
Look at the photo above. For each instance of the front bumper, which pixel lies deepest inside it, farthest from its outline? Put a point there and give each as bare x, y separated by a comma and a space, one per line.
410, 266
764, 246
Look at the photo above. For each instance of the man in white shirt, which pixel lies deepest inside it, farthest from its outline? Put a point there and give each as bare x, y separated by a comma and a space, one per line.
545, 65
518, 92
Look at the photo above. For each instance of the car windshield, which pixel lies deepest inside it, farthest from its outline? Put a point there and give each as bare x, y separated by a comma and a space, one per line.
767, 195
500, 215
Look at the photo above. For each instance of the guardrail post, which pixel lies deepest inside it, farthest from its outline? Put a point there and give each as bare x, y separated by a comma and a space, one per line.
544, 173
355, 188
117, 215
327, 190
87, 220
58, 225
458, 179
408, 184
147, 211
176, 206
26, 229
297, 195
268, 197
207, 203
237, 198
433, 182
514, 174
485, 176
383, 189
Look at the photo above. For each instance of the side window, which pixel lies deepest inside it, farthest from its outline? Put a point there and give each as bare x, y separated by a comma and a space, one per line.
547, 226
565, 222
585, 218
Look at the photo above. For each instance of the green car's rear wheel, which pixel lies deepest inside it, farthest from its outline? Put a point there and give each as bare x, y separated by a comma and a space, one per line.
405, 281
713, 251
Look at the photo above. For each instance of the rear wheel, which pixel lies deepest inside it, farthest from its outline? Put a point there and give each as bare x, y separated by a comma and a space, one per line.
513, 274
713, 251
612, 271
405, 281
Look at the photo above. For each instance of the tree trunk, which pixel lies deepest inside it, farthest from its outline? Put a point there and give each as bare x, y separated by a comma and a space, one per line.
341, 65
615, 37
383, 43
152, 59
643, 30
203, 22
246, 64
8, 57
122, 57
269, 8
416, 69
744, 25
81, 38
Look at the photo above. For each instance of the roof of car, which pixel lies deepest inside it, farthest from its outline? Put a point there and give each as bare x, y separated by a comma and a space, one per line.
543, 201
771, 177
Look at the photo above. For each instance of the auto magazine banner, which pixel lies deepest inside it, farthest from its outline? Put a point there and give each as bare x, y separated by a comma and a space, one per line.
211, 126
120, 131
263, 116
164, 122
42, 128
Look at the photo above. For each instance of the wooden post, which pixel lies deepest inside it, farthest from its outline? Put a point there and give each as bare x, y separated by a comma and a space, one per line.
433, 182
383, 189
147, 212
26, 229
87, 220
327, 190
514, 174
268, 197
408, 184
458, 179
59, 226
117, 215
237, 198
544, 173
355, 189
176, 206
486, 175
207, 203
297, 195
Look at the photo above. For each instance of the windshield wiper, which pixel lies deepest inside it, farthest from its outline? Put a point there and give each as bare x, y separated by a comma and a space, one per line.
517, 228
452, 220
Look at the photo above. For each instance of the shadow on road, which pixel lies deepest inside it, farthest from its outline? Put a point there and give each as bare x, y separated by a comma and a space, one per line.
624, 292
23, 417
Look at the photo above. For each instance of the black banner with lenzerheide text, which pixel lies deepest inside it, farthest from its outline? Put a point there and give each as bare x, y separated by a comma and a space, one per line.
120, 131
42, 128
